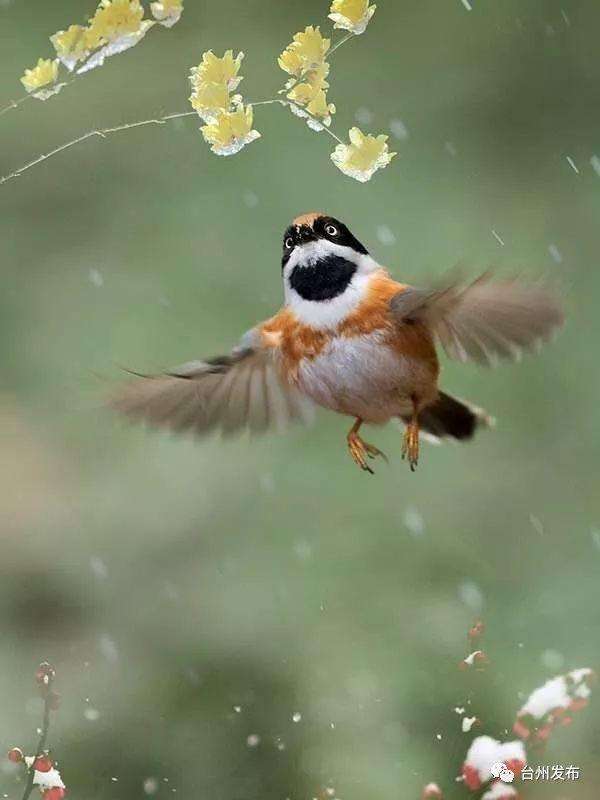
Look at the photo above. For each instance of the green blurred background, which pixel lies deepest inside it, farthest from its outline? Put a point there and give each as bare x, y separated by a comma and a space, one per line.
192, 595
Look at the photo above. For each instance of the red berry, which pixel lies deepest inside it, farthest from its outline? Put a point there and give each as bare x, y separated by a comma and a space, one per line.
475, 631
515, 765
543, 733
15, 754
577, 703
521, 730
432, 792
43, 764
471, 777
55, 793
481, 660
45, 674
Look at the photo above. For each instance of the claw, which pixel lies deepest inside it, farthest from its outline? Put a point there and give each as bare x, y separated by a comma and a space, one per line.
410, 445
358, 449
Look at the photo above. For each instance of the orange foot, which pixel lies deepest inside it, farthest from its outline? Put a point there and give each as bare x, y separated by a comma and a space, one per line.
359, 451
410, 445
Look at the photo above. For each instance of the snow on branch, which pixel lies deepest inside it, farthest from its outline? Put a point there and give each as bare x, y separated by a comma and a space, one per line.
41, 771
491, 765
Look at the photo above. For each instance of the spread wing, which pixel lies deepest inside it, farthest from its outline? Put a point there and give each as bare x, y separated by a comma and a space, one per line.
486, 319
243, 390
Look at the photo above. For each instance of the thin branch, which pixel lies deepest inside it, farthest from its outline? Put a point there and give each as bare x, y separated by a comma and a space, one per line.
15, 103
289, 104
340, 42
21, 100
103, 133
41, 744
100, 132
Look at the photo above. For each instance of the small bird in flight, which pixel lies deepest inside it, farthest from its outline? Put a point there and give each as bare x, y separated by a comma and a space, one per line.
351, 339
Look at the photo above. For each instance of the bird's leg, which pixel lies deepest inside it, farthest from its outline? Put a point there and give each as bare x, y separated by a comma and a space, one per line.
359, 449
410, 445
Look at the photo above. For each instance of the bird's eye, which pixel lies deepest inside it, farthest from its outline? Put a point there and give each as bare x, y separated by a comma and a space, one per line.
289, 243
331, 230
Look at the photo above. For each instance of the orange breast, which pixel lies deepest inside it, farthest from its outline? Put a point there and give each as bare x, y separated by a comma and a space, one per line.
296, 340
293, 338
373, 314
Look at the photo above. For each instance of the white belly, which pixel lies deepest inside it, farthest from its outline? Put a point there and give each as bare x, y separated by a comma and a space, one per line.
363, 377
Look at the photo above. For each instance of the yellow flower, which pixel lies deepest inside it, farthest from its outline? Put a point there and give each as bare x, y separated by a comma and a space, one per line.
224, 70
318, 77
68, 43
302, 93
290, 61
309, 98
44, 73
320, 108
167, 12
92, 39
363, 156
212, 81
74, 44
351, 15
117, 25
115, 18
210, 99
307, 51
231, 131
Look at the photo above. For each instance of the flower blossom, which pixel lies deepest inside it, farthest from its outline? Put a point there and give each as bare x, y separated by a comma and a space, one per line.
306, 52
432, 792
45, 775
230, 131
210, 100
212, 81
228, 122
224, 69
553, 704
477, 659
484, 753
351, 15
44, 73
167, 12
75, 44
118, 25
500, 791
54, 793
363, 156
310, 101
309, 97
41, 80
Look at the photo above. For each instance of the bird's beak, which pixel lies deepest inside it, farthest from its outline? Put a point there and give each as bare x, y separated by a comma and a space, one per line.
306, 234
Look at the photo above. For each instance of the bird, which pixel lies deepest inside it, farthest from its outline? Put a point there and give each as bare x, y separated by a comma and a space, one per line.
352, 339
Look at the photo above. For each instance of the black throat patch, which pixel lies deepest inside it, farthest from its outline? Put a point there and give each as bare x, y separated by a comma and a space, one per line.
323, 280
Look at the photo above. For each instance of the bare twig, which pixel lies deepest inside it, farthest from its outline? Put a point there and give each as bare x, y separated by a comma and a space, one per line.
41, 770
101, 133
41, 744
15, 104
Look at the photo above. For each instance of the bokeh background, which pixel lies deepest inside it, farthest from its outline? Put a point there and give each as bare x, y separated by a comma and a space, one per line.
192, 595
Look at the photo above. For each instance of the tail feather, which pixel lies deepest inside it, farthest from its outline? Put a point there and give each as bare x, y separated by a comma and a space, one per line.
449, 417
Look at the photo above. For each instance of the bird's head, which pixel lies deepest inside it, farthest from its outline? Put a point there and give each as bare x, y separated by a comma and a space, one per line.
321, 258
